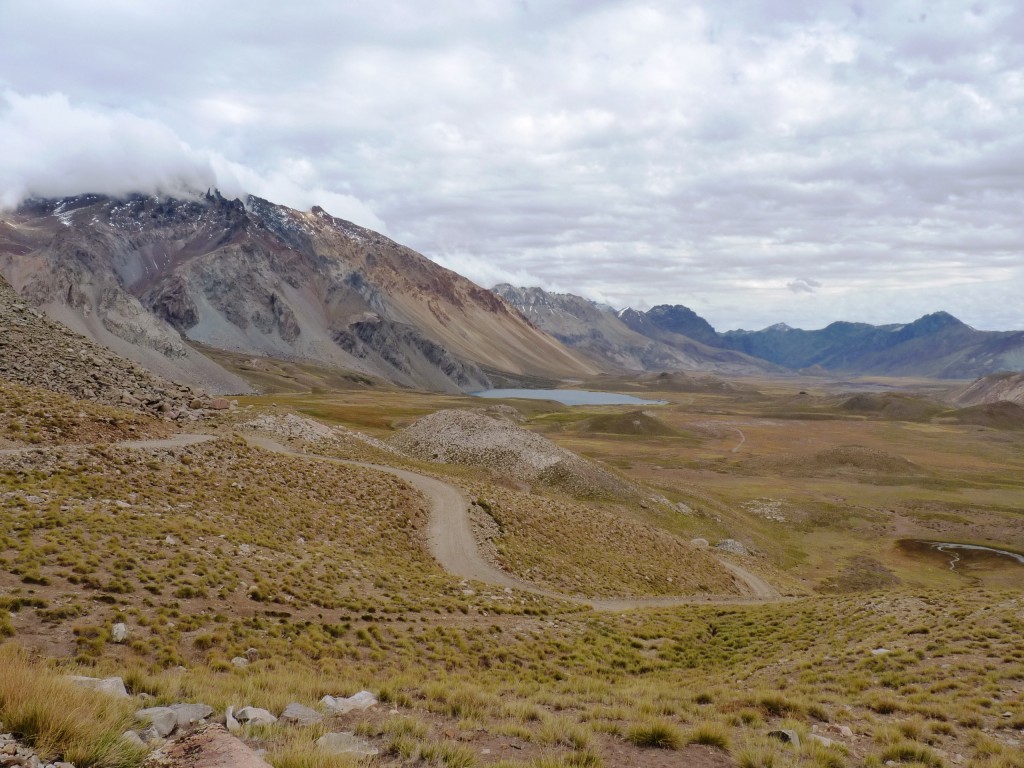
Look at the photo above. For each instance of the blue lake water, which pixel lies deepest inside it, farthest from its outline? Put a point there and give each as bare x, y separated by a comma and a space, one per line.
568, 396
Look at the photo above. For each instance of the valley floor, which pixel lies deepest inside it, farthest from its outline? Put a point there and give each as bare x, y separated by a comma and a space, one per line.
205, 550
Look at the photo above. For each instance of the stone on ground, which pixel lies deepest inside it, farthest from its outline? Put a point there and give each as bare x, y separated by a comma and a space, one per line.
187, 714
163, 719
341, 706
255, 716
297, 714
111, 685
209, 746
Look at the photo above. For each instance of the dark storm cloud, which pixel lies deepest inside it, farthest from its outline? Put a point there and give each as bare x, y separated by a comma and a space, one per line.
700, 153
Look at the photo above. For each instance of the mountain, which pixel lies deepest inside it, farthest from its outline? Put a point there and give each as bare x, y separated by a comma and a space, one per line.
936, 345
624, 341
675, 338
146, 275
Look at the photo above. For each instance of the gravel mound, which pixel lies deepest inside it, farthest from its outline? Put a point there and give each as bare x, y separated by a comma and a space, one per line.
313, 433
473, 438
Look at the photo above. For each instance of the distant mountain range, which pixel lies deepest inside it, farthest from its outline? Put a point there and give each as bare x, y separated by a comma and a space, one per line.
163, 281
674, 337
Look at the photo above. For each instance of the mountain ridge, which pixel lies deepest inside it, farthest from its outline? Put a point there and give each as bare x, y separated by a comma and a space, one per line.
147, 275
936, 345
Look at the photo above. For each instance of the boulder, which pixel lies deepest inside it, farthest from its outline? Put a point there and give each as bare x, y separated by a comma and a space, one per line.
164, 719
219, 404
240, 661
823, 740
186, 714
209, 746
355, 703
699, 543
346, 743
297, 714
255, 716
110, 685
119, 632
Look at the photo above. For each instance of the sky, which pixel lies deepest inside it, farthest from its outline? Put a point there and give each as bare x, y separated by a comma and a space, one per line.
760, 162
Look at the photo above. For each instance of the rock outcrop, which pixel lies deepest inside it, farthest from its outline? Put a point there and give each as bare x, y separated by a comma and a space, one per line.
38, 352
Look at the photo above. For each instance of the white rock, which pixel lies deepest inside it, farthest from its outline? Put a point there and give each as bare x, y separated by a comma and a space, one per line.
699, 543
119, 632
240, 661
297, 714
111, 685
345, 743
880, 651
164, 719
187, 714
340, 705
255, 716
230, 722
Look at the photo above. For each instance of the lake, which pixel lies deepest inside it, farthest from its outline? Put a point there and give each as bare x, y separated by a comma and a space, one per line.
568, 396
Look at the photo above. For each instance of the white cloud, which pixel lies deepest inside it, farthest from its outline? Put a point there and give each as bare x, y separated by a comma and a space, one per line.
803, 285
54, 149
700, 153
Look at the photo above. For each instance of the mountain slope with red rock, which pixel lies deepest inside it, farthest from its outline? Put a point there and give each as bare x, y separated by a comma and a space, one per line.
145, 275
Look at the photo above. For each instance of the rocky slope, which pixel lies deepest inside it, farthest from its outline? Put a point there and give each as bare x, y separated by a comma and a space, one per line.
37, 352
994, 388
622, 341
145, 274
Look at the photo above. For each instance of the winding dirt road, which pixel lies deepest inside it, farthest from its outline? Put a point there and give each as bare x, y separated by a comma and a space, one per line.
450, 533
451, 542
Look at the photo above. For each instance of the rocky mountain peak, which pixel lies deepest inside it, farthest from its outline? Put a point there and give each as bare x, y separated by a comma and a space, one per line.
147, 275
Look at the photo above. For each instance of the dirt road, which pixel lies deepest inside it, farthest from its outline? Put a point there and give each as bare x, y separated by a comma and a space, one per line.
451, 542
450, 533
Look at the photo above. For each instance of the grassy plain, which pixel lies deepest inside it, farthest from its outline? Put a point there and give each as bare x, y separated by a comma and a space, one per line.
208, 551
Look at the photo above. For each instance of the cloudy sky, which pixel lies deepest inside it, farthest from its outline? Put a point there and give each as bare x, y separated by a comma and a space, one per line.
783, 160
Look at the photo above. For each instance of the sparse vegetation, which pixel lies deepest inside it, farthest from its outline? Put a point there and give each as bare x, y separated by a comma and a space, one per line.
211, 549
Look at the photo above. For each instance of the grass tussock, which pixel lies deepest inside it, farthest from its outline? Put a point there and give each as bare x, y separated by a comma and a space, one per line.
60, 719
656, 735
709, 734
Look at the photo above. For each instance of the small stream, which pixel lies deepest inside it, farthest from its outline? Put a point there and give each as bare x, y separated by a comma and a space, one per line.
961, 555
